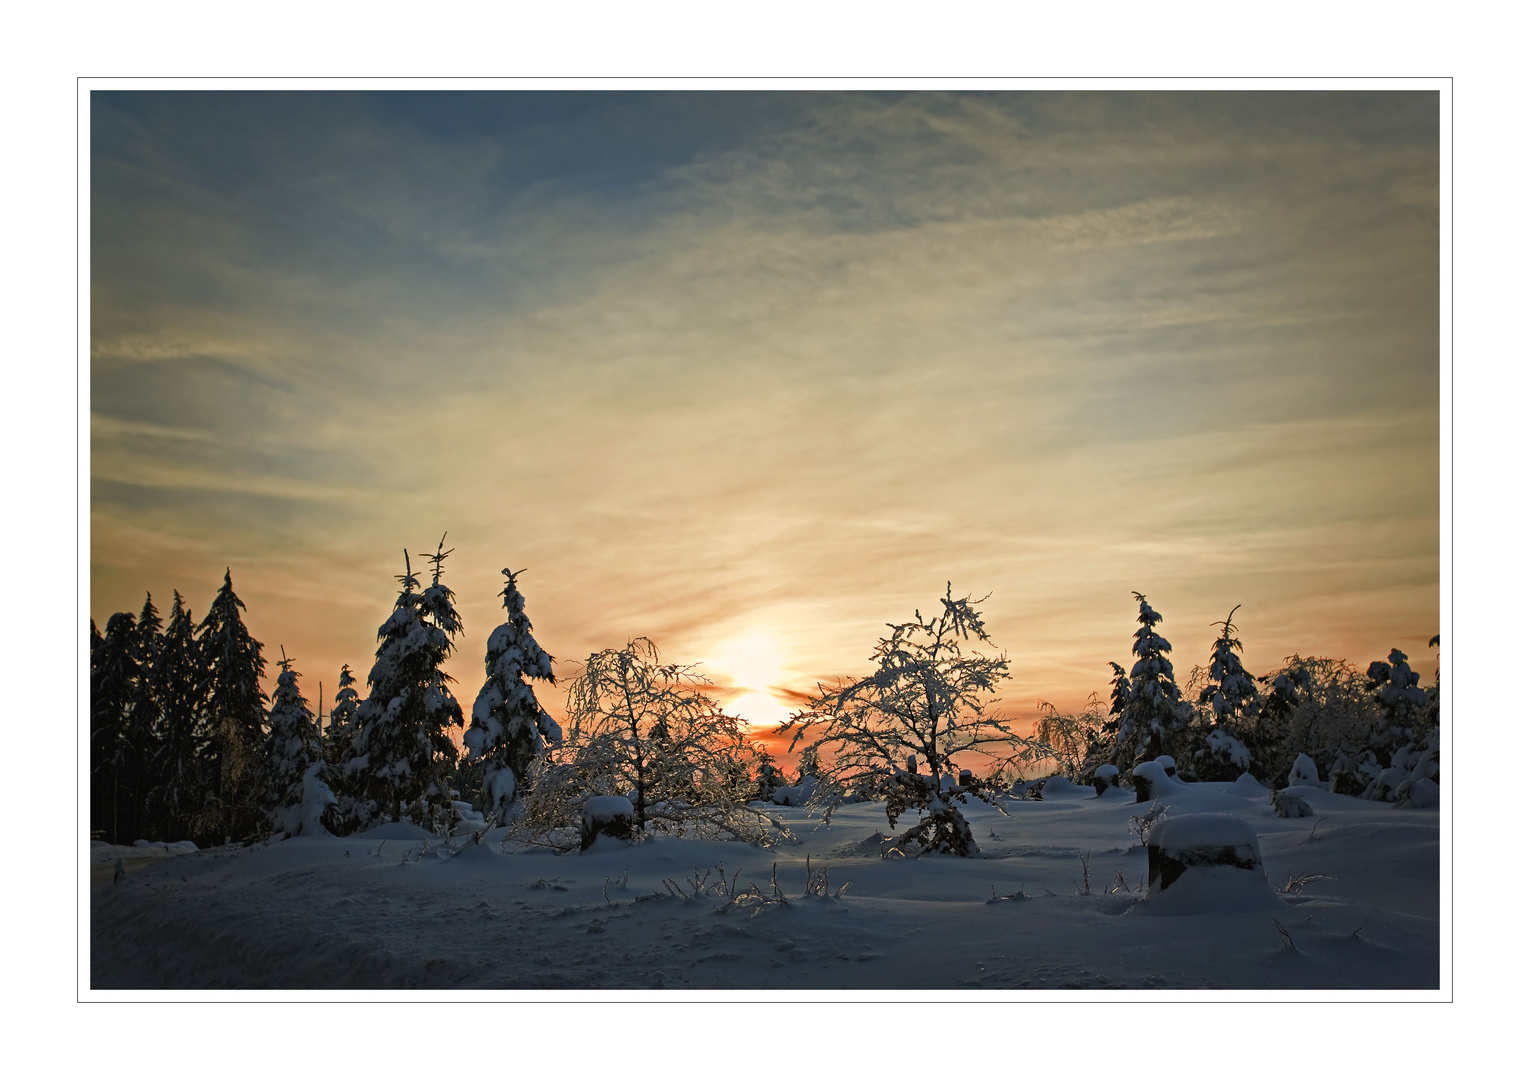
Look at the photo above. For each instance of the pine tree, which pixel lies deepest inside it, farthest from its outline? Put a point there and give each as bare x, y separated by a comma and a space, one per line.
402, 752
138, 747
113, 685
297, 790
509, 727
1146, 704
179, 765
342, 718
234, 713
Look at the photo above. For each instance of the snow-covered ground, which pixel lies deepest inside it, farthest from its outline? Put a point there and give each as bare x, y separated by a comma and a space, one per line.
392, 910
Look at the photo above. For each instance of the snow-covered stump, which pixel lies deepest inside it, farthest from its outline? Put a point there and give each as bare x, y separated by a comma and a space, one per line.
1178, 844
1151, 781
606, 815
1106, 776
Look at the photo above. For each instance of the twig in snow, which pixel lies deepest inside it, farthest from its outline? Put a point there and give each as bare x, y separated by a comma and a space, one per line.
1284, 936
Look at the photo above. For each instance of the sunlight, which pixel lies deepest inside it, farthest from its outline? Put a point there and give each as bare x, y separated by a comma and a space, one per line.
752, 662
759, 709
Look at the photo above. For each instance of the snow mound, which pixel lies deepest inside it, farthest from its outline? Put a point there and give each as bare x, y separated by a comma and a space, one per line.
100, 851
1303, 771
1060, 787
1246, 783
607, 808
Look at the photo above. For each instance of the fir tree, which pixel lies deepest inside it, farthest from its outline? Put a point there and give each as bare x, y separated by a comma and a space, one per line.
1146, 703
113, 685
342, 718
402, 752
1229, 688
234, 708
179, 767
297, 791
509, 726
138, 746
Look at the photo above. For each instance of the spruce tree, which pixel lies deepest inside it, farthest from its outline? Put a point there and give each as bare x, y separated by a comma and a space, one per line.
139, 745
402, 752
113, 685
1146, 704
234, 712
342, 718
179, 768
297, 790
1229, 688
509, 727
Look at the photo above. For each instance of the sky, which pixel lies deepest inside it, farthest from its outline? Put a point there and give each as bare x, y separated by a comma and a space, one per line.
756, 373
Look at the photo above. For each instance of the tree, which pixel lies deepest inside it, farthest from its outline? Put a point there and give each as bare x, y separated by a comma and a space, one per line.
1146, 704
403, 752
342, 718
180, 775
234, 713
141, 731
509, 727
298, 793
1229, 690
896, 733
1075, 741
648, 731
113, 684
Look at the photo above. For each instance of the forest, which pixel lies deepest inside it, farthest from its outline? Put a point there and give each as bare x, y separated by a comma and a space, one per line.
186, 745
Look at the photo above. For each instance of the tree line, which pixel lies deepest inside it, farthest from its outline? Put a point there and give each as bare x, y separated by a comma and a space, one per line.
184, 744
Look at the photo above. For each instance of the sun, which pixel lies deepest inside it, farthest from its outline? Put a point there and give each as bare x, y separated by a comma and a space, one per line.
751, 663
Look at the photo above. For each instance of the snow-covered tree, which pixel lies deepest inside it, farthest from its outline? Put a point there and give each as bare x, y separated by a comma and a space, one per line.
649, 732
234, 708
297, 792
342, 718
509, 727
138, 746
179, 769
403, 754
1229, 691
1146, 704
896, 733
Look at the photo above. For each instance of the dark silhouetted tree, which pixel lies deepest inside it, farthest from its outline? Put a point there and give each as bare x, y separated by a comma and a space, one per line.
234, 708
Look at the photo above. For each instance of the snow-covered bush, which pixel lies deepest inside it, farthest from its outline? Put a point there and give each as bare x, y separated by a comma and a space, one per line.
1303, 771
896, 731
1075, 741
1288, 804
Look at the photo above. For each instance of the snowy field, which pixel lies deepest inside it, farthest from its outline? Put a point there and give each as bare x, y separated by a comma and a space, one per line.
392, 910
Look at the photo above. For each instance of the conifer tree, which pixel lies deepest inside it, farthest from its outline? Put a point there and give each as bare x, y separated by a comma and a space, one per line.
509, 727
179, 769
297, 790
403, 754
1146, 704
1229, 688
342, 718
138, 747
113, 684
234, 712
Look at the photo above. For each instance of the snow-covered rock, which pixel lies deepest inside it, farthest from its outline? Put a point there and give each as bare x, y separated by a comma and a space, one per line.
1151, 781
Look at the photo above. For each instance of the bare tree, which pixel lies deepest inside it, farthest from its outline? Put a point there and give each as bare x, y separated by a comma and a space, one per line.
650, 732
895, 734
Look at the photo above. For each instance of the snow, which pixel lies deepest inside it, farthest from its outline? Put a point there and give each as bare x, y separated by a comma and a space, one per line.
1203, 830
397, 908
1303, 771
607, 808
